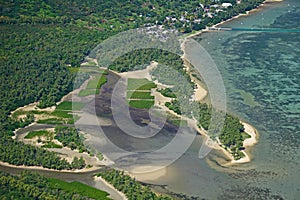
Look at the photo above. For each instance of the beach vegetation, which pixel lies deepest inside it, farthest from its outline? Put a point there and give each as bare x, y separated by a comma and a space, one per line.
17, 153
50, 144
51, 121
40, 133
70, 137
129, 186
68, 105
167, 92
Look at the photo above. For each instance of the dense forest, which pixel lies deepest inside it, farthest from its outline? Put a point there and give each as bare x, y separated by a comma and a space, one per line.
114, 16
18, 153
70, 137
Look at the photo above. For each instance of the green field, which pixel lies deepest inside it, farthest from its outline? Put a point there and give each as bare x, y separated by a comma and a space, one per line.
139, 84
139, 95
96, 82
79, 188
59, 120
93, 86
179, 122
68, 105
141, 103
52, 145
50, 121
33, 134
87, 92
62, 114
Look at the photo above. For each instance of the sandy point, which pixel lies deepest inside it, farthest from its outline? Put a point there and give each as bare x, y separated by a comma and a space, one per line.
148, 172
250, 130
114, 193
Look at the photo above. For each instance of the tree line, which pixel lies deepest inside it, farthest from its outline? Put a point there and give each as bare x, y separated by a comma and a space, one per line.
17, 153
129, 186
33, 186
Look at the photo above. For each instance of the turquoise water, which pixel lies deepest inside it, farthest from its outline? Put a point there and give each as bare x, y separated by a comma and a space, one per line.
261, 70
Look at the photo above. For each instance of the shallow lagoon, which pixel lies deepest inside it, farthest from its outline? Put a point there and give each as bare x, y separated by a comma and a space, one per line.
261, 73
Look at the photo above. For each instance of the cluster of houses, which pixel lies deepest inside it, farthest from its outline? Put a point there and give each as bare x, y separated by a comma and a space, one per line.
206, 10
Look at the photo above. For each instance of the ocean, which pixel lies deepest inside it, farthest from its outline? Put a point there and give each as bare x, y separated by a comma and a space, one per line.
261, 71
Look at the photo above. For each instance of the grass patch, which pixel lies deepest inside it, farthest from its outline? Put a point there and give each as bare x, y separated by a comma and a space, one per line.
94, 85
22, 112
245, 135
62, 114
50, 121
87, 92
139, 95
96, 82
33, 134
68, 105
79, 188
58, 120
139, 84
52, 145
141, 103
179, 122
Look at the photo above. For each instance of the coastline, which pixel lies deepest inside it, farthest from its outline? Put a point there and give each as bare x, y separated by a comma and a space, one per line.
258, 8
199, 94
84, 170
202, 93
110, 186
247, 143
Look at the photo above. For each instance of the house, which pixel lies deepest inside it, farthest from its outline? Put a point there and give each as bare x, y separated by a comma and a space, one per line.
226, 5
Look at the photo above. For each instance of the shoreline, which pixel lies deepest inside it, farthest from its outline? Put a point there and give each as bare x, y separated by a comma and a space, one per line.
84, 170
199, 94
249, 129
121, 194
247, 143
258, 8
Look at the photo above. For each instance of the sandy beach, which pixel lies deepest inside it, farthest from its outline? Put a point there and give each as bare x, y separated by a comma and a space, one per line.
50, 170
148, 172
250, 130
200, 94
143, 73
33, 106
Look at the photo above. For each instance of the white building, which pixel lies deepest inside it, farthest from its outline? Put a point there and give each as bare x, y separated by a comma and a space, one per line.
226, 5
